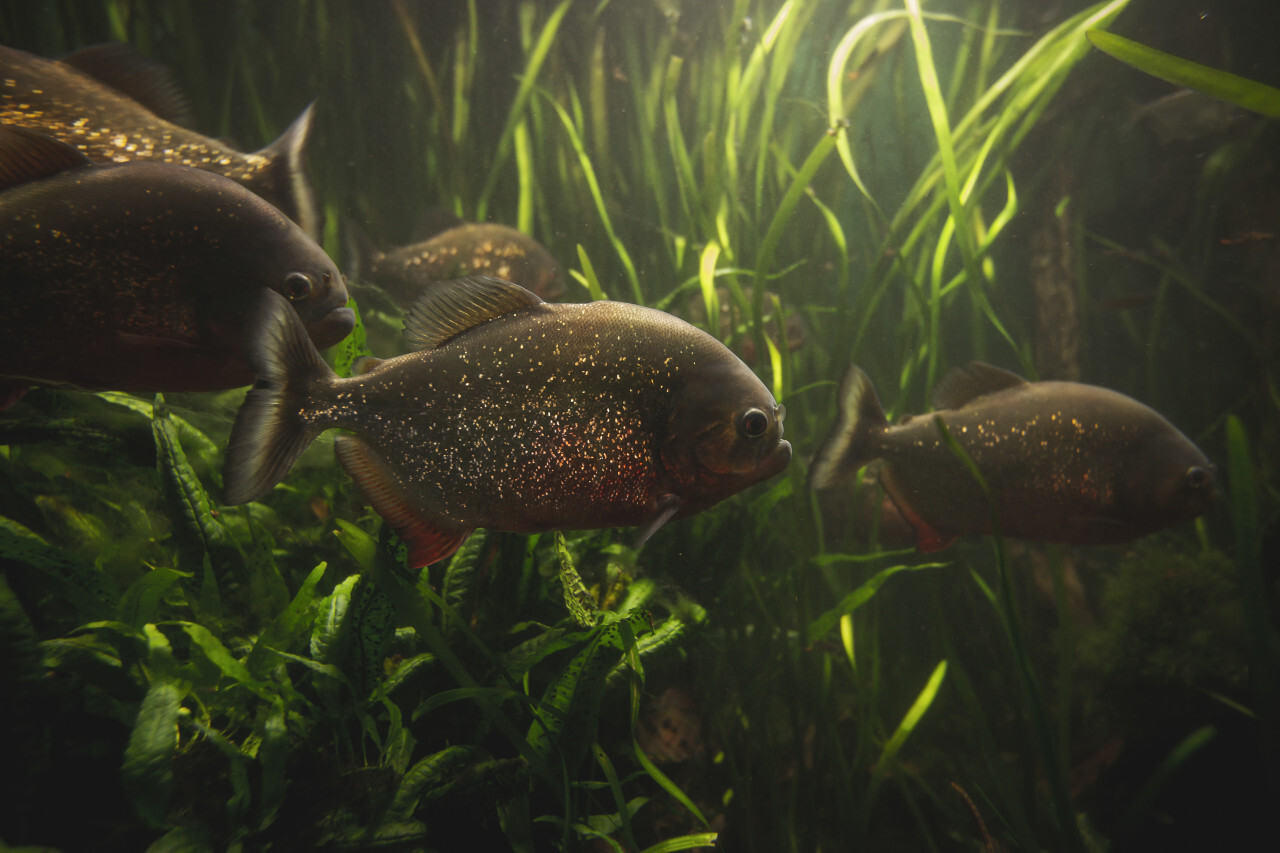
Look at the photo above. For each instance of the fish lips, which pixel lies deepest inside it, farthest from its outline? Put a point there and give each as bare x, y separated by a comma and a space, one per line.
333, 327
776, 461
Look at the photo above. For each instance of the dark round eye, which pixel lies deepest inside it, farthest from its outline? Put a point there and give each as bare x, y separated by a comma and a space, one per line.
1197, 477
297, 285
753, 423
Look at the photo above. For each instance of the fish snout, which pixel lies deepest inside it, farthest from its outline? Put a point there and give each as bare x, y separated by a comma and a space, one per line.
332, 328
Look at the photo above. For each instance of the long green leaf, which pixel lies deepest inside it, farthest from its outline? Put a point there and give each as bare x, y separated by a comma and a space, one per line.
1223, 85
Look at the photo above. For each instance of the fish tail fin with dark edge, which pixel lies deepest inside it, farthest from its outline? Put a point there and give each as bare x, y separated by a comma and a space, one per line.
849, 446
271, 429
284, 181
428, 541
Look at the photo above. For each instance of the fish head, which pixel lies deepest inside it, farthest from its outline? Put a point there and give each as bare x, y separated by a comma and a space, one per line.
308, 278
1167, 480
725, 434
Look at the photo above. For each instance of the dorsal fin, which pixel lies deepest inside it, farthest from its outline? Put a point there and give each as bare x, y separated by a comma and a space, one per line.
283, 181
976, 379
28, 156
135, 76
449, 308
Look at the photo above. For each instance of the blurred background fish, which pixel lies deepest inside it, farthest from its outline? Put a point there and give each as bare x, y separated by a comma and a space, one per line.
1064, 462
115, 105
451, 249
514, 414
140, 276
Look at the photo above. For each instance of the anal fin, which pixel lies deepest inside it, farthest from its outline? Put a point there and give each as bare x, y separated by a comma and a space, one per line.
928, 538
427, 542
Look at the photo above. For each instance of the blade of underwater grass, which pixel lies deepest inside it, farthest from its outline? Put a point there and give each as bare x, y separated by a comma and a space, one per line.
528, 81
1255, 595
908, 725
1223, 85
1068, 828
590, 176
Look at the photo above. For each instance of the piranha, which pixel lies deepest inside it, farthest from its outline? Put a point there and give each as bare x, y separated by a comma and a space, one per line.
463, 249
513, 414
114, 105
141, 276
1063, 461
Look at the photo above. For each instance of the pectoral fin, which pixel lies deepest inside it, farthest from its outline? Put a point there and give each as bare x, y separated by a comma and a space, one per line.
668, 506
427, 541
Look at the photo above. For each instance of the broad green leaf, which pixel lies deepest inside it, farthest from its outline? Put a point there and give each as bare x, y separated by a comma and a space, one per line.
147, 772
424, 779
141, 600
89, 591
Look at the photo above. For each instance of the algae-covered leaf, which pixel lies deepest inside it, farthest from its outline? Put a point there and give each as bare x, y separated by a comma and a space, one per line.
567, 715
227, 664
1240, 91
362, 546
197, 529
273, 755
458, 587
581, 604
326, 631
141, 600
288, 626
84, 586
436, 771
147, 772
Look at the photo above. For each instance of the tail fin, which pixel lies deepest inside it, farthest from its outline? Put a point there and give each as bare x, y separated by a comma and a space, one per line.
272, 428
850, 445
284, 182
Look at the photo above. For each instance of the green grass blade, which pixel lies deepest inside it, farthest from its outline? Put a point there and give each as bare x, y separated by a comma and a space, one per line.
1223, 85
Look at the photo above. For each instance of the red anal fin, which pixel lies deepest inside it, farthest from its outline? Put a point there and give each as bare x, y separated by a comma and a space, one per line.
426, 541
11, 391
928, 538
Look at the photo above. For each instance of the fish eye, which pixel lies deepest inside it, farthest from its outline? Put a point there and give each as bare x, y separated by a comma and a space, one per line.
753, 423
1197, 477
297, 285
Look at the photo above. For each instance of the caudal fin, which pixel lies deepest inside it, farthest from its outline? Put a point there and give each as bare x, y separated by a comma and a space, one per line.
284, 182
850, 444
273, 427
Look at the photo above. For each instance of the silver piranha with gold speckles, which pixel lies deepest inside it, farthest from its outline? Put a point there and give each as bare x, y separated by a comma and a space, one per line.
141, 276
514, 414
116, 106
1064, 461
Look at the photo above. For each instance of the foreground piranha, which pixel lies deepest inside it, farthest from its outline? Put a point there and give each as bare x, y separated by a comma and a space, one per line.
114, 106
514, 414
141, 276
1064, 462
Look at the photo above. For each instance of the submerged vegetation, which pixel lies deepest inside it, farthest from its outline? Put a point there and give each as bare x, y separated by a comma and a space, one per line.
921, 184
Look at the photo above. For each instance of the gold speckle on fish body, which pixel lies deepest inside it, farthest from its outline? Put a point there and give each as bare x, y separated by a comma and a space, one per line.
109, 121
1064, 461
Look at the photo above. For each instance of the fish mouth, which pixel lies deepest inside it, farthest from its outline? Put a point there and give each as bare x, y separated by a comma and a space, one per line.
332, 327
777, 460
